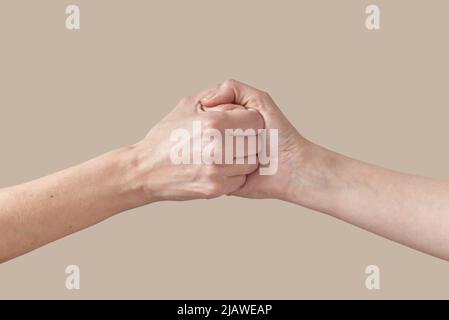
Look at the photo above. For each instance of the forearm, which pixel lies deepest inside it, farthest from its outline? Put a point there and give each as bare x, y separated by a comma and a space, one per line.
408, 209
43, 210
49, 208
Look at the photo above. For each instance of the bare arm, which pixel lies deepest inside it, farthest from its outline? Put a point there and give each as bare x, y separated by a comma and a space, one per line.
43, 210
52, 207
408, 209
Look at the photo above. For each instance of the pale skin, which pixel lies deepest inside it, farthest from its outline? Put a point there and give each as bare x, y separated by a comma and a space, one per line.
405, 208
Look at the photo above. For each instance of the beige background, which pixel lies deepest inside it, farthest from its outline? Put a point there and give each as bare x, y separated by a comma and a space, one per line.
68, 96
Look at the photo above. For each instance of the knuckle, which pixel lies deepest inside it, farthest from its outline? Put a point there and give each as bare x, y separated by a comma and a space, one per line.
229, 82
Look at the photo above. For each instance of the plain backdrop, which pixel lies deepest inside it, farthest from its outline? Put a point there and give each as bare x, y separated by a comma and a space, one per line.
67, 96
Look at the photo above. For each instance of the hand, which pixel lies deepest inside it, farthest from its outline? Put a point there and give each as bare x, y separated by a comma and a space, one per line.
292, 145
164, 180
368, 196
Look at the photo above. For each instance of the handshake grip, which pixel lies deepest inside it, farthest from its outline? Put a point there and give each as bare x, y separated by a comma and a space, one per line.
230, 139
208, 144
226, 140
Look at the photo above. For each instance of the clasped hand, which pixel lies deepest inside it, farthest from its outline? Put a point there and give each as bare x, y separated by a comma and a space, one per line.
172, 163
229, 106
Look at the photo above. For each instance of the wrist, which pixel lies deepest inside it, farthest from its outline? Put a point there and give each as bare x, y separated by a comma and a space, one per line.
132, 178
314, 181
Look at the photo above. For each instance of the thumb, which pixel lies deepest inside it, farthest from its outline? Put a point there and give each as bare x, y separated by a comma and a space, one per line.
251, 188
221, 95
235, 92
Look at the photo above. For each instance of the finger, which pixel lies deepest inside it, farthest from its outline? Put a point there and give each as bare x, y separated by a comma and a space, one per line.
194, 100
232, 91
233, 183
241, 118
224, 107
208, 92
230, 147
250, 189
240, 128
223, 95
248, 166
